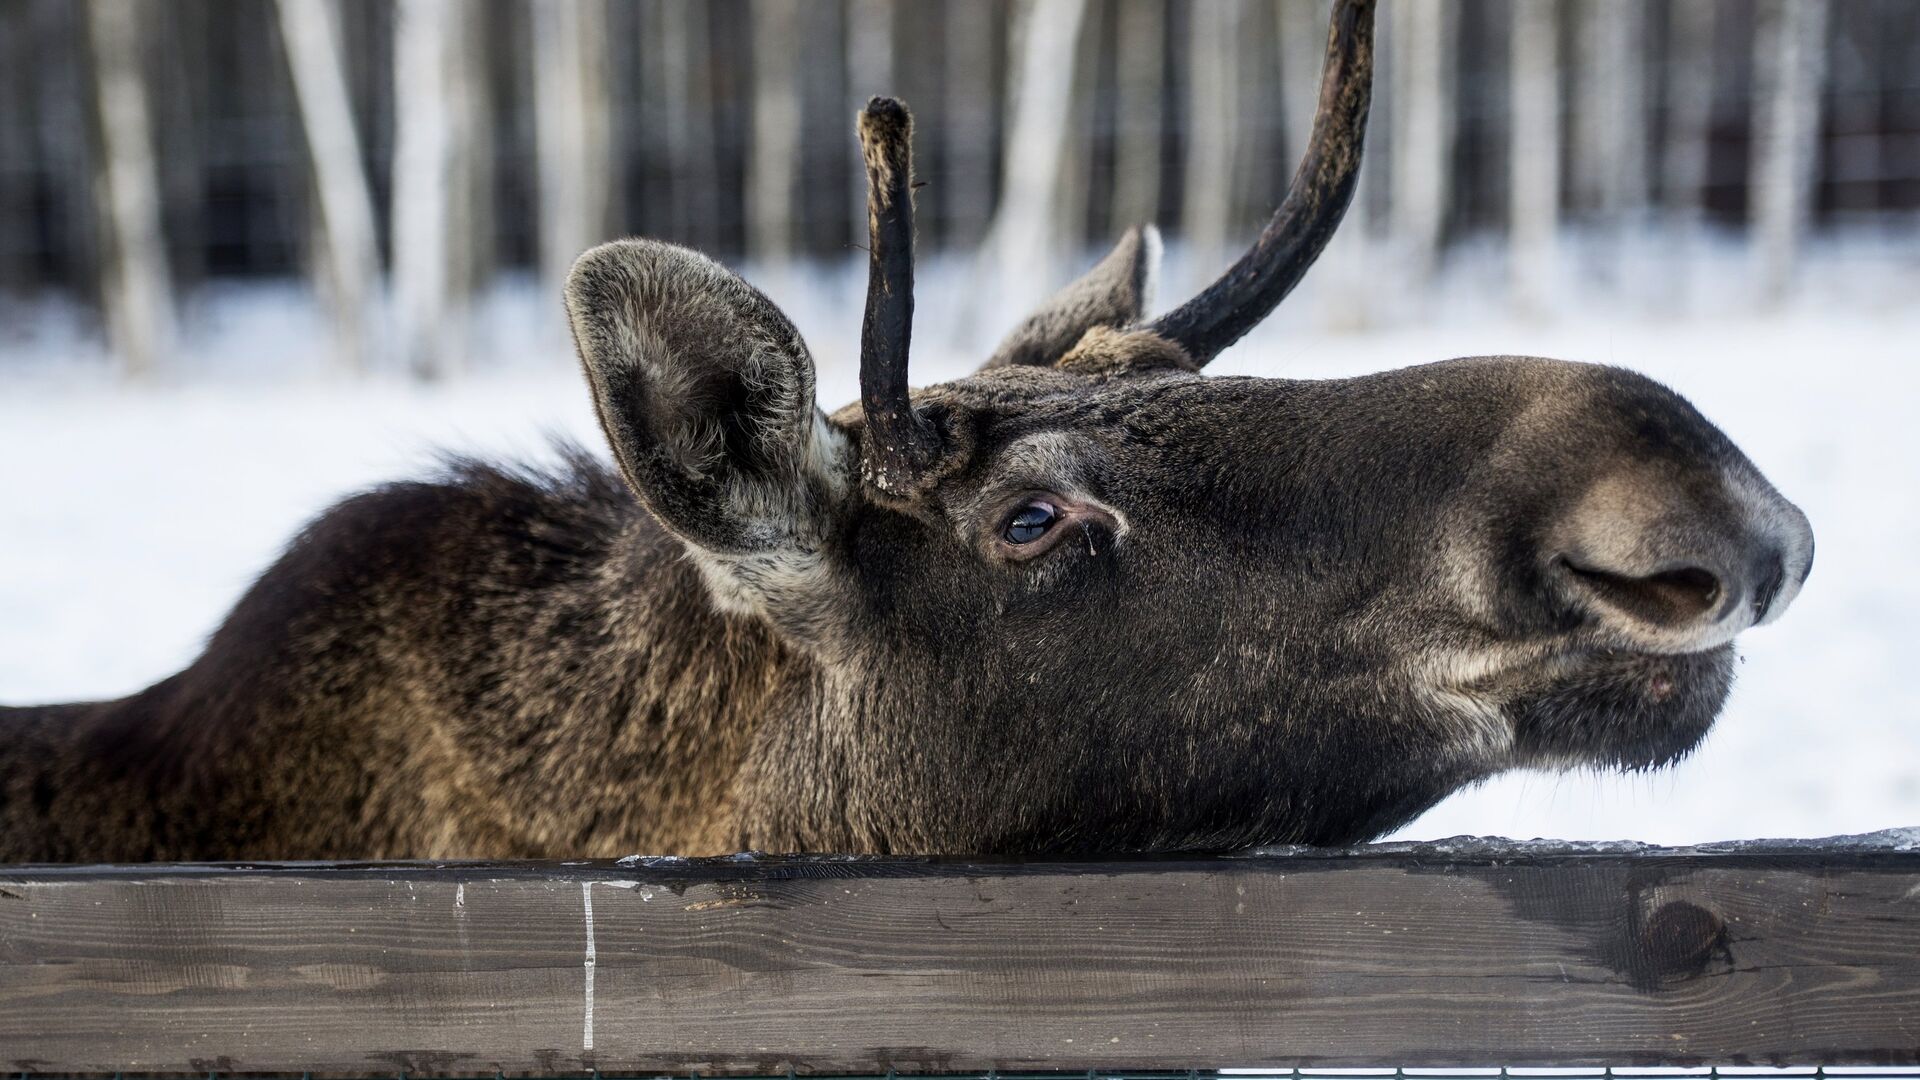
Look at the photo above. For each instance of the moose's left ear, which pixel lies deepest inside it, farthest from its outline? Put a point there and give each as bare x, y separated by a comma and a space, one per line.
1114, 294
705, 391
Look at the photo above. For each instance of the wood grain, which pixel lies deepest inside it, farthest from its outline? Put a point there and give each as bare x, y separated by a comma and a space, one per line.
1399, 956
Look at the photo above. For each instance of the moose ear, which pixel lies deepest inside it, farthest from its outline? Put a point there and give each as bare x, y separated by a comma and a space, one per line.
1114, 294
705, 391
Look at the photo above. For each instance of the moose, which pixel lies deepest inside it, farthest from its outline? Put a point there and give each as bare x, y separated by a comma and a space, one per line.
1084, 599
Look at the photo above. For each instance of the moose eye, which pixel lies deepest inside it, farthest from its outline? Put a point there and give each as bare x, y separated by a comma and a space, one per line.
1030, 522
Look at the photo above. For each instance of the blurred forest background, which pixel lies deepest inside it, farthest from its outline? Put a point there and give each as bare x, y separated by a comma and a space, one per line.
413, 158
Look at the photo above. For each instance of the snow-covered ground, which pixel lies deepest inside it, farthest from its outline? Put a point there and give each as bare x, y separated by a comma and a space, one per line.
131, 518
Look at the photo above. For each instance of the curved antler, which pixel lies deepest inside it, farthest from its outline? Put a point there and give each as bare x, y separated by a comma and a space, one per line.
901, 444
1322, 187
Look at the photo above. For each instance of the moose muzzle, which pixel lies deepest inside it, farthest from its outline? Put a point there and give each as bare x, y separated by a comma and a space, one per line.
1669, 566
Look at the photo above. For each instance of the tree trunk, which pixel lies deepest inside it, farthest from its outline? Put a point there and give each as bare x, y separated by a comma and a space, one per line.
682, 55
571, 132
1341, 275
968, 133
772, 179
1213, 124
1257, 180
138, 288
869, 73
179, 92
1141, 69
1421, 158
1534, 184
1609, 137
1023, 243
346, 219
1689, 126
427, 150
1303, 44
475, 251
1076, 159
1789, 68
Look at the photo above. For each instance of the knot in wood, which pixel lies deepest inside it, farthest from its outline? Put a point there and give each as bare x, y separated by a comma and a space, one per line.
1680, 937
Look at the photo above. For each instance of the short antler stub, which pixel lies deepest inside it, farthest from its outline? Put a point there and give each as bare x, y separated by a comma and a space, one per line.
901, 444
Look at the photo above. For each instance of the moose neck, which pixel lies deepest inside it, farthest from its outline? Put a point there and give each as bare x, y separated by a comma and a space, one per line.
480, 694
641, 700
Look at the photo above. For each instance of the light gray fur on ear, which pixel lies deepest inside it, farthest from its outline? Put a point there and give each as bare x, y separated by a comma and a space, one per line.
1114, 294
705, 392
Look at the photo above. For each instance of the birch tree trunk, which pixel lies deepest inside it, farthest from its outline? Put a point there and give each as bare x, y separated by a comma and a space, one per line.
347, 223
1789, 68
1689, 125
681, 40
1023, 243
1257, 144
1213, 124
1141, 68
772, 179
426, 152
869, 73
657, 181
1076, 160
172, 47
475, 252
138, 288
1340, 279
1533, 187
1609, 135
1422, 43
572, 132
1303, 41
968, 131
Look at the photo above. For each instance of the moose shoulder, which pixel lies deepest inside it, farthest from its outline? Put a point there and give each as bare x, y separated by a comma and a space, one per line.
1084, 599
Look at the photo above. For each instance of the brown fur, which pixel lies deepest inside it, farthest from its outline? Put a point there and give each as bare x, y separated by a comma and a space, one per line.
392, 688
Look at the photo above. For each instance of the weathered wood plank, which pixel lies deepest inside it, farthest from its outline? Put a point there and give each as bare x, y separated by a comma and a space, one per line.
1393, 955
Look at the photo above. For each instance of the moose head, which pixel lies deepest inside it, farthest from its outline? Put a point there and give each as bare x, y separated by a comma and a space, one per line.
1089, 597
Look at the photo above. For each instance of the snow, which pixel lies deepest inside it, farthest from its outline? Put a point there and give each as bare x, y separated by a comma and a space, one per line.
1481, 848
134, 516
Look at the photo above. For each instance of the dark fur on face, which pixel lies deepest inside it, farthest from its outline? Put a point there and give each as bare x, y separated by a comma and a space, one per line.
1266, 611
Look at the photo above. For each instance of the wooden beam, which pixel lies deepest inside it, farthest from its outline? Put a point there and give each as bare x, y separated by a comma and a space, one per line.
1392, 955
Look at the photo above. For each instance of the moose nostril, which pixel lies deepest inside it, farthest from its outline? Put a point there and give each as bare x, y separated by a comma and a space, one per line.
1768, 590
1667, 598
